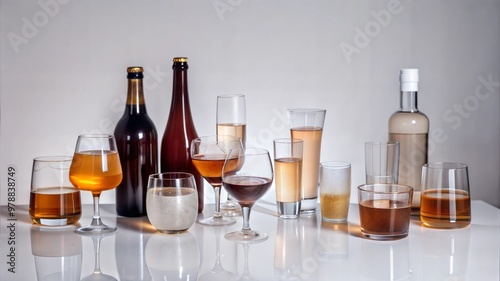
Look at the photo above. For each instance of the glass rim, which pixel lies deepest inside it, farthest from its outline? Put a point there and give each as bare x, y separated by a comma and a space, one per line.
445, 166
305, 110
288, 140
174, 175
215, 138
231, 96
101, 136
392, 143
335, 164
405, 188
254, 151
55, 158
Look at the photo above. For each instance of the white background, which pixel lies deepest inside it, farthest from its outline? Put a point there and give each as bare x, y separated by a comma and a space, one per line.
63, 73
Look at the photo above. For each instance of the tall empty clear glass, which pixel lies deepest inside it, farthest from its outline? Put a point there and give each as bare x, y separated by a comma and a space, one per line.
307, 124
381, 162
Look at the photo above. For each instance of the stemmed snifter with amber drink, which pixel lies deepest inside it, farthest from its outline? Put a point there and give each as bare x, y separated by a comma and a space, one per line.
95, 167
208, 155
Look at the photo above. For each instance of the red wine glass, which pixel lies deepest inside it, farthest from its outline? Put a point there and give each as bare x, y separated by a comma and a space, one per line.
247, 184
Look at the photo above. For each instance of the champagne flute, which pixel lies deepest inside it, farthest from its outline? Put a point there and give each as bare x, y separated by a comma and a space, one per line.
231, 121
247, 184
209, 155
95, 167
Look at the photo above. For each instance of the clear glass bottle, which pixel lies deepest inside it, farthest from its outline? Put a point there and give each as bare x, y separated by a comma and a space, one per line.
410, 128
136, 138
180, 130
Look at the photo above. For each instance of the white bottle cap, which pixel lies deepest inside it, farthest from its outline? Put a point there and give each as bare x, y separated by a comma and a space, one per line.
409, 80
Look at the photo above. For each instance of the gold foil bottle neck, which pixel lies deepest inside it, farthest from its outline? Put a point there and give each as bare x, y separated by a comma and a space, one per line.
180, 59
134, 69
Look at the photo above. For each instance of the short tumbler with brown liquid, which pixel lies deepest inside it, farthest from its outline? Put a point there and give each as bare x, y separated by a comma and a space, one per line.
384, 210
53, 199
445, 197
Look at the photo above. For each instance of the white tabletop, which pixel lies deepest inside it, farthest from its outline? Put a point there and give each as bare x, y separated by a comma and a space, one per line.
303, 249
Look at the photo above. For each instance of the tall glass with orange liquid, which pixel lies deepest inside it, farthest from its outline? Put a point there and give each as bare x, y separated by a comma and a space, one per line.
95, 168
307, 124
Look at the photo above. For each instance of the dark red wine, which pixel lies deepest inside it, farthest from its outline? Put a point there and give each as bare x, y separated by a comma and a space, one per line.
247, 189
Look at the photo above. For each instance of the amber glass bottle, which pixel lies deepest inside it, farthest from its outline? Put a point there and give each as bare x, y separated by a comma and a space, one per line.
137, 142
180, 130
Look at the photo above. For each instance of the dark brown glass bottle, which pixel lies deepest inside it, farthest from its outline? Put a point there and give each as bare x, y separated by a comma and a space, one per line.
180, 130
137, 142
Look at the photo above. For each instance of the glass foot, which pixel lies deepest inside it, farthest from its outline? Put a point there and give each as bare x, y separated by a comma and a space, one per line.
96, 227
217, 221
246, 237
231, 212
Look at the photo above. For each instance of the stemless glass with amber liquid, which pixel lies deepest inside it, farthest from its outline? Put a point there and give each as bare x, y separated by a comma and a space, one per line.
53, 199
384, 210
96, 167
307, 124
311, 158
288, 173
445, 197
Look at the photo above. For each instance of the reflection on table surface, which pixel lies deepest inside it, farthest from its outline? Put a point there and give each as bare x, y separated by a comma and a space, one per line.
303, 249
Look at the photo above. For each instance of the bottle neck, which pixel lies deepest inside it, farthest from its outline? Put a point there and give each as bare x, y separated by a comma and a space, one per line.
180, 94
135, 97
408, 101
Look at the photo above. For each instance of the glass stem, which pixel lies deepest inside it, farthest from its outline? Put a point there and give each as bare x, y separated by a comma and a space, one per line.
96, 220
246, 219
246, 270
217, 213
97, 247
218, 264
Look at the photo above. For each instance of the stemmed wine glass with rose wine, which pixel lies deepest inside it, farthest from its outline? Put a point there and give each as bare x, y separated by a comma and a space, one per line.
209, 155
247, 184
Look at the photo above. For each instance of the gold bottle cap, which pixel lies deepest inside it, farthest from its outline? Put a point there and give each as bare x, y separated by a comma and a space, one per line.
134, 69
180, 59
